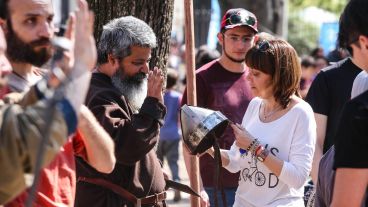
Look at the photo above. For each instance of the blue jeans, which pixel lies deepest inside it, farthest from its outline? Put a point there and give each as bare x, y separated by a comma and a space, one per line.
229, 193
170, 150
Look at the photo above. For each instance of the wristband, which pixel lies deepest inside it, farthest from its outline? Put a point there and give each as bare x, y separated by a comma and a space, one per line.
263, 155
58, 73
254, 147
251, 144
259, 149
242, 151
56, 77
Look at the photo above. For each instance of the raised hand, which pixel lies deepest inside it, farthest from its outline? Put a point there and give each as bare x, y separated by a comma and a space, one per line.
66, 63
242, 137
79, 55
155, 84
85, 47
85, 56
205, 201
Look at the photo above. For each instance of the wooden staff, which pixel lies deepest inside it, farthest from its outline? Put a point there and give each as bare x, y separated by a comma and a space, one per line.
191, 91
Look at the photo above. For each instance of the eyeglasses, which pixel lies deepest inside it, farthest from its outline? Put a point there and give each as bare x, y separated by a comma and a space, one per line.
235, 39
241, 18
263, 45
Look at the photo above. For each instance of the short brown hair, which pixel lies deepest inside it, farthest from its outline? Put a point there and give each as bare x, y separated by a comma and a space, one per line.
280, 60
172, 78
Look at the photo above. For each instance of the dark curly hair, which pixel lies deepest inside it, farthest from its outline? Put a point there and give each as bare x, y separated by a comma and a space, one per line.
4, 9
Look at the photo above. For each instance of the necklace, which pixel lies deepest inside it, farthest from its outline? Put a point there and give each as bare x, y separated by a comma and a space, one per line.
269, 114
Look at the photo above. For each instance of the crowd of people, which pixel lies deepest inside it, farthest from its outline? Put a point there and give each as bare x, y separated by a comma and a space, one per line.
91, 124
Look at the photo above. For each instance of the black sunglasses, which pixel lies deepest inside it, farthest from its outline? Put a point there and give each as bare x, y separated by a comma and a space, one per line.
263, 45
241, 18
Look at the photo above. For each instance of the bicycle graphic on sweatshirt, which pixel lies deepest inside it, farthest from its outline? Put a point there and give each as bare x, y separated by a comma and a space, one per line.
259, 177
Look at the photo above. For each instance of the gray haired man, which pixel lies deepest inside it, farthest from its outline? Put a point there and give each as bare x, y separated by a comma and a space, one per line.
126, 97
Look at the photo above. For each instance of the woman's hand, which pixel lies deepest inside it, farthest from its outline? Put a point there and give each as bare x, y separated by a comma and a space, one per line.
242, 137
205, 201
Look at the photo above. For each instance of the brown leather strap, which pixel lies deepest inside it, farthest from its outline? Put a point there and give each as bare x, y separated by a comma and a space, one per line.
152, 199
112, 186
218, 170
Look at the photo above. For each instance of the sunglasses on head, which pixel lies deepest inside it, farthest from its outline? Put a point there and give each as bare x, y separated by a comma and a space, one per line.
241, 18
263, 45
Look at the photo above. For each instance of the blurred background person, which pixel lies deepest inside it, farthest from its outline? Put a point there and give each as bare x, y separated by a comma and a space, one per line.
170, 134
308, 66
317, 52
205, 55
320, 63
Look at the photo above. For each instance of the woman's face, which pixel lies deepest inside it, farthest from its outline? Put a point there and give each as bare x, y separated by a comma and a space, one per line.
260, 83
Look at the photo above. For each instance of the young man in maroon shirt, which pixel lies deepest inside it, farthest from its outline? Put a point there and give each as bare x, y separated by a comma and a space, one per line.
222, 86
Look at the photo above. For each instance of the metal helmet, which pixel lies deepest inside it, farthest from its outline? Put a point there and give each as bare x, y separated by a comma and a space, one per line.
200, 127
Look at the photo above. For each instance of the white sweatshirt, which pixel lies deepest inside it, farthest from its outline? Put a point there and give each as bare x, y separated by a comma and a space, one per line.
360, 84
290, 138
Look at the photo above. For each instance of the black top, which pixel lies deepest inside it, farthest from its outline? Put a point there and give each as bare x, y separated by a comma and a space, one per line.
330, 90
352, 135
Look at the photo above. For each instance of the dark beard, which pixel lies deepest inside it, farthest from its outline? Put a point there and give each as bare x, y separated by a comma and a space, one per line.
134, 88
19, 51
135, 80
231, 58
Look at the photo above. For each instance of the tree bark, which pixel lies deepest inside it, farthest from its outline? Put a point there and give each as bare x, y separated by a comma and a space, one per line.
157, 14
202, 18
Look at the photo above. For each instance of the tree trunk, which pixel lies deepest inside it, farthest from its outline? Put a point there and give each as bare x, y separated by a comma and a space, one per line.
202, 18
271, 14
158, 14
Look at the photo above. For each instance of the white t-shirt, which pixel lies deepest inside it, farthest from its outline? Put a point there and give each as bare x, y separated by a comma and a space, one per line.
290, 138
360, 84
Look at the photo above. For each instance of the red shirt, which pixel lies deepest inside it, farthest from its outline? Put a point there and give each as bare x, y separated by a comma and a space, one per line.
57, 182
4, 88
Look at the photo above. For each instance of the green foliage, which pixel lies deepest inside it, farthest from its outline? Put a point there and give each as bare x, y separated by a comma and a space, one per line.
335, 6
302, 35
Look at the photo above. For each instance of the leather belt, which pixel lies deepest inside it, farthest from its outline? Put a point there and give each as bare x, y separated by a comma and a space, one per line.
151, 199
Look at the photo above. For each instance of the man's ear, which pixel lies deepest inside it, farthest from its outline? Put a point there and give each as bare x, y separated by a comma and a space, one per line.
220, 38
363, 41
112, 60
256, 37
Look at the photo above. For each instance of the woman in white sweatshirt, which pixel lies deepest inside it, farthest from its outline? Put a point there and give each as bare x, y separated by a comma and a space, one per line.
275, 143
